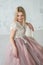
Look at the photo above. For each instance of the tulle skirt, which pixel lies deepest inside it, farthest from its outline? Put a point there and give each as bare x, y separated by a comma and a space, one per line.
28, 53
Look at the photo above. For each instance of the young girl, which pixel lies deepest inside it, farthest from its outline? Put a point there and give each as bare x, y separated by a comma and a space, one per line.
23, 50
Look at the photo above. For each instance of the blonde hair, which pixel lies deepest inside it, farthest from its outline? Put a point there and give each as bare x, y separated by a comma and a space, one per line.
20, 9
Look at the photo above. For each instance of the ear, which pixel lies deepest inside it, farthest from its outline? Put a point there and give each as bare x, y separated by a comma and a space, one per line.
30, 26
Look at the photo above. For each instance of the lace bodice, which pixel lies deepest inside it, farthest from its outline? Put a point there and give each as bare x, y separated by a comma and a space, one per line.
20, 29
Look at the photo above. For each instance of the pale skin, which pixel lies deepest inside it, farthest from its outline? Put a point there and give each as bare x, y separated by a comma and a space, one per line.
20, 18
12, 33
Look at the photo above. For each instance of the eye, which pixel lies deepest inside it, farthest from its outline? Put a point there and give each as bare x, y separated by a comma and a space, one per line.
22, 15
17, 15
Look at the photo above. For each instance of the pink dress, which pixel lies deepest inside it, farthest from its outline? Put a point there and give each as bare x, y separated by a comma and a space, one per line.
30, 52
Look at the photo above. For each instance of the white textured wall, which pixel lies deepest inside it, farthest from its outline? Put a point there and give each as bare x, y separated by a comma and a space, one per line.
34, 11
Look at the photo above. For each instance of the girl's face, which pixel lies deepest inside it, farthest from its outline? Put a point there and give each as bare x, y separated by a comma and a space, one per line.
20, 17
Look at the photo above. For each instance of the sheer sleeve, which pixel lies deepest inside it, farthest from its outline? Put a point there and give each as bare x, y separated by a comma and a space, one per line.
13, 26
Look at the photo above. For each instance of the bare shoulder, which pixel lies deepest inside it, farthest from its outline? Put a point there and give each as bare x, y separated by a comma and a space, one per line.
30, 26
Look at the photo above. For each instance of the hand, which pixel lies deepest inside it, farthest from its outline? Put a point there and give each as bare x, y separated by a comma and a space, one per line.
14, 51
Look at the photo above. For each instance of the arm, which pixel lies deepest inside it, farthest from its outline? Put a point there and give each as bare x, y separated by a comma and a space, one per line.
12, 34
30, 26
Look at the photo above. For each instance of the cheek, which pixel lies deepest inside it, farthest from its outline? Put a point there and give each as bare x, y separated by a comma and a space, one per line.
23, 17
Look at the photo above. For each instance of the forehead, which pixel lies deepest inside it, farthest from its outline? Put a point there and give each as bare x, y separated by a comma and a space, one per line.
19, 13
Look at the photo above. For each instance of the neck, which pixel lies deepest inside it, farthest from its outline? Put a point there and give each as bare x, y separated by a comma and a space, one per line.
21, 23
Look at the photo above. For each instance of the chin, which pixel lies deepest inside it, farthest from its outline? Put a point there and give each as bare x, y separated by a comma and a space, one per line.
20, 20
